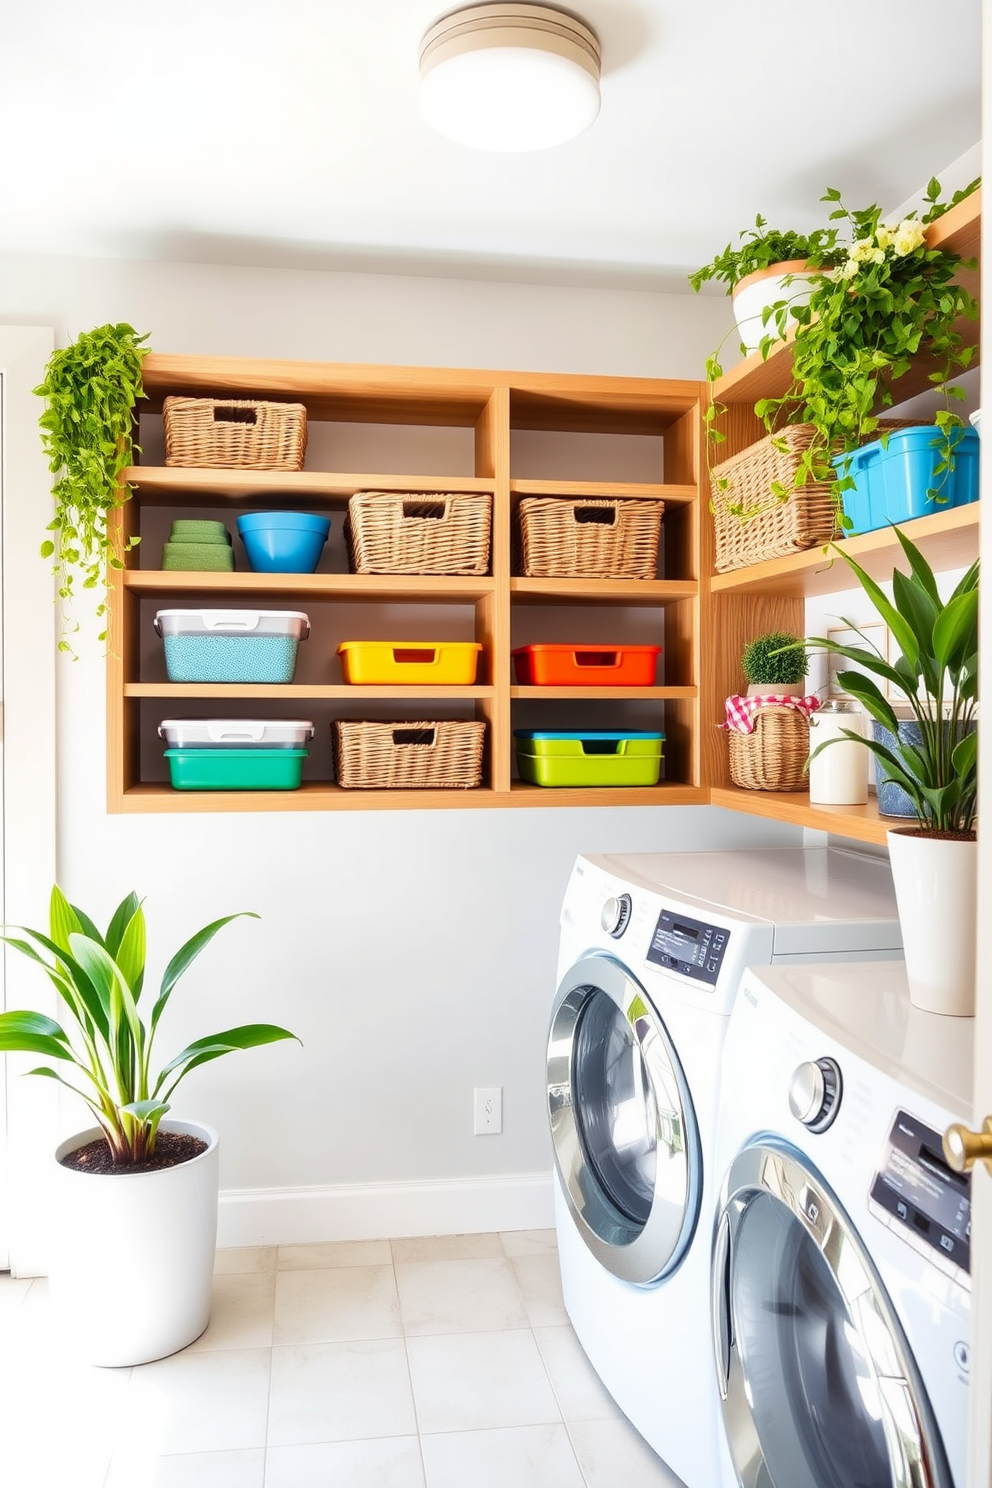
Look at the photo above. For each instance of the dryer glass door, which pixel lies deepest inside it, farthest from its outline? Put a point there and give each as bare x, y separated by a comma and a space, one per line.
819, 1388
624, 1132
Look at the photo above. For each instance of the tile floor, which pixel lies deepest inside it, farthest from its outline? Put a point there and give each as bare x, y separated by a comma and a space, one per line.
437, 1363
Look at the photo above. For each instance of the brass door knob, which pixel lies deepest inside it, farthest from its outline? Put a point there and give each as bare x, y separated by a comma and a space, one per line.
964, 1147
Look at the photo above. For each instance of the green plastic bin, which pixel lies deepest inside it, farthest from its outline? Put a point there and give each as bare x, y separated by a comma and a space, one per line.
591, 757
236, 769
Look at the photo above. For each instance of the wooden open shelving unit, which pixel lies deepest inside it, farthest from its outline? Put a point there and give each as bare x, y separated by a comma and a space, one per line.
949, 539
494, 407
706, 619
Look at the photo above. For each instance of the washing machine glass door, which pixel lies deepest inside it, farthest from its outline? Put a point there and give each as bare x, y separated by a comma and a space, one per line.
626, 1146
819, 1387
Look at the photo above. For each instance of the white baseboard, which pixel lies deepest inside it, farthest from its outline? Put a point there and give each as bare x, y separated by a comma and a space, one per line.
380, 1211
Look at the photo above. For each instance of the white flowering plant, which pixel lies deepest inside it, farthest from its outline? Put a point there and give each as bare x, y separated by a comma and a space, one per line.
889, 299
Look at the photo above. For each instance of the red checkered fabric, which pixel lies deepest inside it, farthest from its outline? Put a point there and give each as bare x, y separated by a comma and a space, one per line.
741, 710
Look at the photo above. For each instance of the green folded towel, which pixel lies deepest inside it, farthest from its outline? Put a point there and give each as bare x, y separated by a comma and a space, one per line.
197, 525
213, 539
198, 557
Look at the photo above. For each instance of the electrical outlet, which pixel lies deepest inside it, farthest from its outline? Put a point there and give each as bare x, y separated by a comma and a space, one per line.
488, 1110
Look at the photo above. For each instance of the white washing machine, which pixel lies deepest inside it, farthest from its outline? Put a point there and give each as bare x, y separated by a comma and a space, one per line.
652, 951
840, 1276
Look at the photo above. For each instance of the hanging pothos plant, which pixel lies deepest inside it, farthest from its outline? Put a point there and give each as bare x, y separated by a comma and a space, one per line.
91, 388
889, 299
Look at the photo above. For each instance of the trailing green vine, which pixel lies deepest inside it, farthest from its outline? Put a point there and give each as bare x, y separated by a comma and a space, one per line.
91, 388
763, 246
887, 299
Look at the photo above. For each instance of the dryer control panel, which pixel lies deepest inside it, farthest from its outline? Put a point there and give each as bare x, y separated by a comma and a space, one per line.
689, 946
919, 1195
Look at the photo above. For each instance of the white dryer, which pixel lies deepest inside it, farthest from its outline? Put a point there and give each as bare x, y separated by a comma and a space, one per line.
840, 1278
652, 951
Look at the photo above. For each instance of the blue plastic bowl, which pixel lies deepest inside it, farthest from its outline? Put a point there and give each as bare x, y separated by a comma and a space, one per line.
283, 542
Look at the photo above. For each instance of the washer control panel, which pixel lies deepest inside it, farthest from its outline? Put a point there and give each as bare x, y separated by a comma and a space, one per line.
689, 946
917, 1194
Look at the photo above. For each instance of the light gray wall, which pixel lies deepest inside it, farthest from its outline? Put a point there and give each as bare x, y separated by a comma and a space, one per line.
414, 953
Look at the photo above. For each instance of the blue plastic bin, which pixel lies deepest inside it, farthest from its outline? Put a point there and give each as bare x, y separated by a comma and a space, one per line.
283, 542
891, 484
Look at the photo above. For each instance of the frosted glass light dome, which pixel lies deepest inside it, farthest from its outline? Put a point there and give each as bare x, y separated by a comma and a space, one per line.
507, 77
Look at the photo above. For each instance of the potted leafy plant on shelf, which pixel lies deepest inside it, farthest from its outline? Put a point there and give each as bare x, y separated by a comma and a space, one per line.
774, 663
91, 388
768, 276
879, 298
136, 1195
934, 760
768, 729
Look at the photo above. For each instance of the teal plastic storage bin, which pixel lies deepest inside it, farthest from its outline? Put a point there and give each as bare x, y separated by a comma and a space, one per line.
891, 484
231, 645
236, 769
590, 757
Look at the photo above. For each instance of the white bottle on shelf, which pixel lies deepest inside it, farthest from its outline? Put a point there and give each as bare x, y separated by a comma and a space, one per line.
838, 776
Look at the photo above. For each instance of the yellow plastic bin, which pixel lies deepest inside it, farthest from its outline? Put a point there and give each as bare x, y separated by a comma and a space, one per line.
375, 663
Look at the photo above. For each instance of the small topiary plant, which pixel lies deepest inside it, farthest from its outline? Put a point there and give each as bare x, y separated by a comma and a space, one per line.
775, 659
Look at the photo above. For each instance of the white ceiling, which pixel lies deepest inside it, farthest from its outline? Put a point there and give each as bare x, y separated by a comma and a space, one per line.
288, 132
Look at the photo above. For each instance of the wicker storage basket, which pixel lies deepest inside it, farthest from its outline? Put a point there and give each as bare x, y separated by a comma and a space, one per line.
596, 539
772, 528
772, 757
234, 433
404, 756
403, 532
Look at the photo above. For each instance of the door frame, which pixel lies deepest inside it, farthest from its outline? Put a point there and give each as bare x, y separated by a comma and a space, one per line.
28, 1118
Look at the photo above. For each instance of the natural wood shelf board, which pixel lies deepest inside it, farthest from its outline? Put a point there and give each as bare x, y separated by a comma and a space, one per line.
412, 587
606, 694
612, 490
959, 231
325, 796
603, 591
303, 691
665, 793
360, 393
626, 406
948, 539
171, 485
862, 823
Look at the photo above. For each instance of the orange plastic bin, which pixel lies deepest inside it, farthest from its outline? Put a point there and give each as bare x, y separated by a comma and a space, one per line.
556, 665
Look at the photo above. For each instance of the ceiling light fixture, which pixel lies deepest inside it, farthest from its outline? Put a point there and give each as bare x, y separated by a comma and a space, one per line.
509, 77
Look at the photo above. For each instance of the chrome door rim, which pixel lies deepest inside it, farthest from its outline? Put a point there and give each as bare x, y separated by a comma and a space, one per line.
636, 1253
915, 1451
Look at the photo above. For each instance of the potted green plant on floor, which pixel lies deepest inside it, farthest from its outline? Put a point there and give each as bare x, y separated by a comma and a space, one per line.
91, 388
135, 1196
934, 760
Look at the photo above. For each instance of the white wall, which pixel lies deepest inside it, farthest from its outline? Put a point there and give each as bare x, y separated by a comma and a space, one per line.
414, 953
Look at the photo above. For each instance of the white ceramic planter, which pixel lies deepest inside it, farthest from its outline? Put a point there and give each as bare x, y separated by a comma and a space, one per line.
776, 689
936, 887
766, 287
133, 1254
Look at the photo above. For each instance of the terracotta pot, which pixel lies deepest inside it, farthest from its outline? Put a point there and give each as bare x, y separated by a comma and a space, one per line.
133, 1253
936, 887
752, 294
